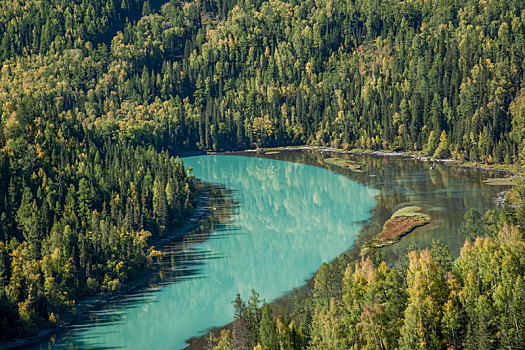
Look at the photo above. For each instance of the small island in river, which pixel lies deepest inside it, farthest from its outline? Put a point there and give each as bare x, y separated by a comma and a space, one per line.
402, 222
345, 163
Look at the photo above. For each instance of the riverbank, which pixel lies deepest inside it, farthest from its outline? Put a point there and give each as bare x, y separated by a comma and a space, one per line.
510, 170
200, 213
412, 155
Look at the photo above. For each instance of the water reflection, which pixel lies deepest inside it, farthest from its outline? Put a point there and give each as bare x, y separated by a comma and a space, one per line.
445, 192
182, 261
290, 219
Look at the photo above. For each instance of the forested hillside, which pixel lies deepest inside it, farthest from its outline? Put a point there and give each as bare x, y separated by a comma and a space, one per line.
220, 75
35, 26
96, 96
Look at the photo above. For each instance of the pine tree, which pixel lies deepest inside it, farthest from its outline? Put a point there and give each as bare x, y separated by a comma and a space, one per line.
472, 225
146, 8
241, 336
27, 219
442, 150
267, 331
432, 143
426, 288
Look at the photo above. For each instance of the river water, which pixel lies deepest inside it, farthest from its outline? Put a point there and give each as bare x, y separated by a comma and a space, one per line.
290, 215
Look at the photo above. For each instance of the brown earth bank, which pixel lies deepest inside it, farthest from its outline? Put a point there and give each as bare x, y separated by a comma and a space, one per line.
397, 227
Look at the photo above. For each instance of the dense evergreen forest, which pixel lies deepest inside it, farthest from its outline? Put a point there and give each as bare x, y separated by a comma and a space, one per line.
97, 96
77, 204
219, 75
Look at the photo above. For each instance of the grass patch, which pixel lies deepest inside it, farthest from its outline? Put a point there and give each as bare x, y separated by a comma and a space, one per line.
345, 163
504, 181
412, 211
361, 150
401, 223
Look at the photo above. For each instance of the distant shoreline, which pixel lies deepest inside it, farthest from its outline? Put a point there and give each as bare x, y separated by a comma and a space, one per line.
447, 161
450, 162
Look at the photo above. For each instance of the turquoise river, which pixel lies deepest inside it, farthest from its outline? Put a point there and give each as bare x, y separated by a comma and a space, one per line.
291, 217
274, 219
